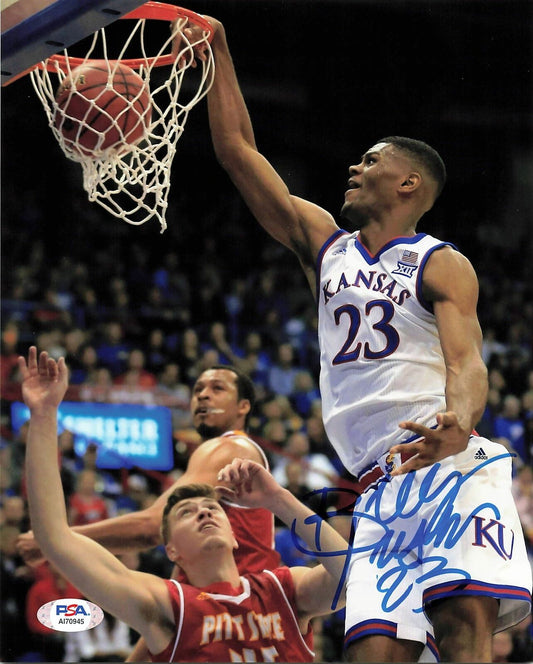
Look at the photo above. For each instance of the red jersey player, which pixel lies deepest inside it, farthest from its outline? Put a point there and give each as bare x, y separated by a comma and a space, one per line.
199, 539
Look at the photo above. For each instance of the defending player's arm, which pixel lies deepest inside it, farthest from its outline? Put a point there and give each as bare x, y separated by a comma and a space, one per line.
138, 531
138, 599
317, 588
301, 226
451, 284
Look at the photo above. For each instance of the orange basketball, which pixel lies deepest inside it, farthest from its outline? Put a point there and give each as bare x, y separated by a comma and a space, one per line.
95, 115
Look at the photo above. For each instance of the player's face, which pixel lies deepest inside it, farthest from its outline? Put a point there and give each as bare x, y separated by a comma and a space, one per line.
373, 185
198, 525
215, 403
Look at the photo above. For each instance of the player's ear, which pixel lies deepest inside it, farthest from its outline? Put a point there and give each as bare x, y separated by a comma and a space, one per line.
172, 552
411, 183
244, 406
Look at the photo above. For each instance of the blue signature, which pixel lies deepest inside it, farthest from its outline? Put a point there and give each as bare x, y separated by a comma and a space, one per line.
443, 530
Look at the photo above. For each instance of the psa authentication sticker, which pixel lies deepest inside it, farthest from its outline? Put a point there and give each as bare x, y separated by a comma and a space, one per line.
70, 615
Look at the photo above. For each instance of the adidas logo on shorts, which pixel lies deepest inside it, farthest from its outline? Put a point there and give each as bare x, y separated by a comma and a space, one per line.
480, 455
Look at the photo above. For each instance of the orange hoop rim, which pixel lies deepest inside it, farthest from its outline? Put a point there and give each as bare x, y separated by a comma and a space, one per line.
151, 10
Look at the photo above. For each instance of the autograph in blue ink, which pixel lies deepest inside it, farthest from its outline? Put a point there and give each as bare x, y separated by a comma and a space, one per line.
442, 530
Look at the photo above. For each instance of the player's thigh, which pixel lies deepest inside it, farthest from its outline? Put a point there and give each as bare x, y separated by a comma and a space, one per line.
474, 545
383, 595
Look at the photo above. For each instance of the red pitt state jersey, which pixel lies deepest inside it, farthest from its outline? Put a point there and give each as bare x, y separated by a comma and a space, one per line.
254, 623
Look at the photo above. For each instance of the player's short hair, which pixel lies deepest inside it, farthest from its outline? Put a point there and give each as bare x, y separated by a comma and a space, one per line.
245, 386
424, 155
184, 493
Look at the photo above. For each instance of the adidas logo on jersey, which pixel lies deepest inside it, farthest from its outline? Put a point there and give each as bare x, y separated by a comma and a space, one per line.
480, 455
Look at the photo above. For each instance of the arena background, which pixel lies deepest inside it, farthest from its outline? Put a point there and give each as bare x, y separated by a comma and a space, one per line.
323, 80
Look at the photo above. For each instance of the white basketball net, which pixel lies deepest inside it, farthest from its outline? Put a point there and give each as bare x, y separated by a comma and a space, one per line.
133, 185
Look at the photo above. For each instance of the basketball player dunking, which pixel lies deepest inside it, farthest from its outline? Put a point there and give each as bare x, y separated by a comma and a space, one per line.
438, 550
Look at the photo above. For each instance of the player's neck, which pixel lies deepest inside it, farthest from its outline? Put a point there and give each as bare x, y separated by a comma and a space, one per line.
376, 236
211, 568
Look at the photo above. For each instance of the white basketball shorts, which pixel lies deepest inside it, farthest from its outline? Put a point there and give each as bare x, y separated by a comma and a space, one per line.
447, 530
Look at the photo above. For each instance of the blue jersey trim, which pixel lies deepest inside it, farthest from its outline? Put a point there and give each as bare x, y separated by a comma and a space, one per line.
373, 259
428, 306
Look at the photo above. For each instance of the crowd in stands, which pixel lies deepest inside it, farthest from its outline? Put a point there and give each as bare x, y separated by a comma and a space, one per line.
137, 328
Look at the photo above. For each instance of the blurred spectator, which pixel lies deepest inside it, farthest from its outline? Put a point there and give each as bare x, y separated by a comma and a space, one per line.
136, 376
156, 353
305, 392
10, 352
85, 368
263, 298
318, 471
17, 455
497, 380
318, 439
7, 487
209, 358
98, 386
74, 339
113, 350
282, 373
227, 353
48, 586
278, 407
485, 426
174, 394
106, 481
522, 639
491, 346
256, 361
136, 493
86, 505
15, 581
189, 355
14, 512
509, 424
522, 488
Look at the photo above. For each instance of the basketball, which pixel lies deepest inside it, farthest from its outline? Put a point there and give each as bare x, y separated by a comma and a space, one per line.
102, 107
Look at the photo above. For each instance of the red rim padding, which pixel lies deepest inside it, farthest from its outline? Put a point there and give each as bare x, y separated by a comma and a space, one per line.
151, 10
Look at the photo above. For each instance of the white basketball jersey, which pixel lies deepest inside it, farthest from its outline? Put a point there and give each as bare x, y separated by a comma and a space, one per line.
380, 354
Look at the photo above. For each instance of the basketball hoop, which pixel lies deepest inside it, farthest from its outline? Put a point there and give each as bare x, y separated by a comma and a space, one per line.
133, 183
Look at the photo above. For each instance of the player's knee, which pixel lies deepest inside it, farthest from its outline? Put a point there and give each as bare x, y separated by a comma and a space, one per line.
463, 627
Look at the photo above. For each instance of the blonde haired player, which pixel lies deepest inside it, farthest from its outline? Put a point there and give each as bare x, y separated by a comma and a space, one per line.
216, 615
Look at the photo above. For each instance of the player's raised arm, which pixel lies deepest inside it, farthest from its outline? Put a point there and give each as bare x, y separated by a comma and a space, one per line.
141, 530
298, 224
318, 589
141, 600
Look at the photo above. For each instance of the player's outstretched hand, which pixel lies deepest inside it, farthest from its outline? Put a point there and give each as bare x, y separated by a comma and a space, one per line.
44, 381
29, 550
251, 484
193, 37
447, 439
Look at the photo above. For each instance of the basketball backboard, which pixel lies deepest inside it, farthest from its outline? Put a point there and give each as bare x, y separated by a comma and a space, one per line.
33, 30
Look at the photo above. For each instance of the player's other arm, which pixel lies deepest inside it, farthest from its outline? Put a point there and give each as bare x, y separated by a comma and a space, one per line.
298, 224
317, 588
138, 599
137, 531
451, 284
